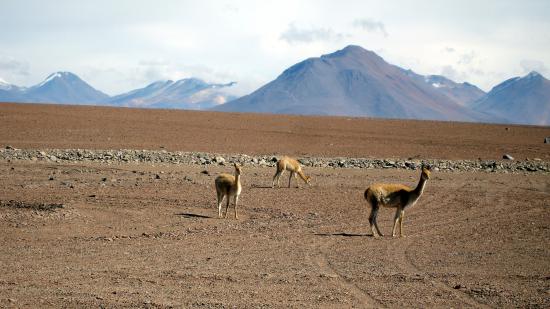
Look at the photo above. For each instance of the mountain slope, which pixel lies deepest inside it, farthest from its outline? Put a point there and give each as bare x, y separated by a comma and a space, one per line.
524, 100
9, 92
355, 82
461, 93
189, 93
63, 87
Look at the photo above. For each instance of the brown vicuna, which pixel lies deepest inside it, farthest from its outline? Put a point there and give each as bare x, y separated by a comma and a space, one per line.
395, 196
228, 186
291, 165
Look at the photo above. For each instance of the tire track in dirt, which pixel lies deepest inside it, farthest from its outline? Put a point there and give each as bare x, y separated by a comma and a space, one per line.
401, 257
404, 262
320, 259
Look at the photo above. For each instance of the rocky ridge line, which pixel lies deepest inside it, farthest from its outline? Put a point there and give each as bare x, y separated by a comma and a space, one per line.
201, 158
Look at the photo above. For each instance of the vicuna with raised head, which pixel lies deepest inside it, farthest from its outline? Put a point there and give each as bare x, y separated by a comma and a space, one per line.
228, 186
395, 196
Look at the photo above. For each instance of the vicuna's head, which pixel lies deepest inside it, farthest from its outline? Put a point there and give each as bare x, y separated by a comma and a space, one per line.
425, 173
238, 169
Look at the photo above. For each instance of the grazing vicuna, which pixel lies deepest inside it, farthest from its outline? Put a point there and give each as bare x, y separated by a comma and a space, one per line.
291, 165
395, 196
228, 186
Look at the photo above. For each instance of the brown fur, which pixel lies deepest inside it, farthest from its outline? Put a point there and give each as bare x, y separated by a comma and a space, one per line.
228, 186
291, 165
395, 196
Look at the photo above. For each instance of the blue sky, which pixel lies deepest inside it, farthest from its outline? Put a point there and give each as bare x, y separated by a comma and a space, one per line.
121, 45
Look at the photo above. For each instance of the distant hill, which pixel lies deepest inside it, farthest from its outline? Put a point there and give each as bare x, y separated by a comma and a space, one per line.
355, 82
524, 100
68, 88
65, 88
189, 93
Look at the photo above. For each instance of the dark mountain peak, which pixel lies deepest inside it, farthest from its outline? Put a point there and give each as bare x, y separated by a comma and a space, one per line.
519, 100
352, 51
533, 74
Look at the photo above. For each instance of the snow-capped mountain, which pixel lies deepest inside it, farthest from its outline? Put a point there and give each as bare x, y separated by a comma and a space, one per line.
9, 92
189, 93
524, 100
355, 82
64, 87
7, 86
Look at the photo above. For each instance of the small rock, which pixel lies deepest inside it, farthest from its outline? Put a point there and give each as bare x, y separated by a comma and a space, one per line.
547, 140
219, 160
205, 172
458, 286
51, 178
10, 147
104, 179
157, 176
507, 157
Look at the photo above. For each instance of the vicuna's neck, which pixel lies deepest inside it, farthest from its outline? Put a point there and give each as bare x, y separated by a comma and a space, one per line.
301, 174
237, 177
420, 187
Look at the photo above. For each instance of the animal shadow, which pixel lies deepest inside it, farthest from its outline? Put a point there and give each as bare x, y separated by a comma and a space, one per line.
260, 187
344, 234
188, 215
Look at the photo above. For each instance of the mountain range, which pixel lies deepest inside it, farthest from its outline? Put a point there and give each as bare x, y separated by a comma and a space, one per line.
357, 82
68, 88
349, 82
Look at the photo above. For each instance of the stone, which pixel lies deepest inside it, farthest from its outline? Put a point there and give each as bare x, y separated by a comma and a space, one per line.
547, 140
507, 157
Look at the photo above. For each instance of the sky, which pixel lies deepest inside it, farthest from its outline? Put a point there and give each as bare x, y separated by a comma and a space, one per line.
118, 46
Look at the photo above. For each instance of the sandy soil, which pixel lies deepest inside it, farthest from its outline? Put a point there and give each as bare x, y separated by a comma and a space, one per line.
127, 238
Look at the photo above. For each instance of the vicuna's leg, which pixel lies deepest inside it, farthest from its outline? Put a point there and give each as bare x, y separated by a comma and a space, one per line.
228, 197
290, 178
396, 220
236, 201
372, 220
276, 177
220, 200
296, 178
401, 216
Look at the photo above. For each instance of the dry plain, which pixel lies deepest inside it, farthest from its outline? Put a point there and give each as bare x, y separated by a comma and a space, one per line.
127, 238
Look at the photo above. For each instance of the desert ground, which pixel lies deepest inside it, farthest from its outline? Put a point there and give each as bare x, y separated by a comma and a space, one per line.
87, 234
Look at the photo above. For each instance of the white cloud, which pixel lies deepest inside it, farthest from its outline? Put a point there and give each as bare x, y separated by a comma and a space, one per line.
13, 67
370, 25
529, 65
296, 35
